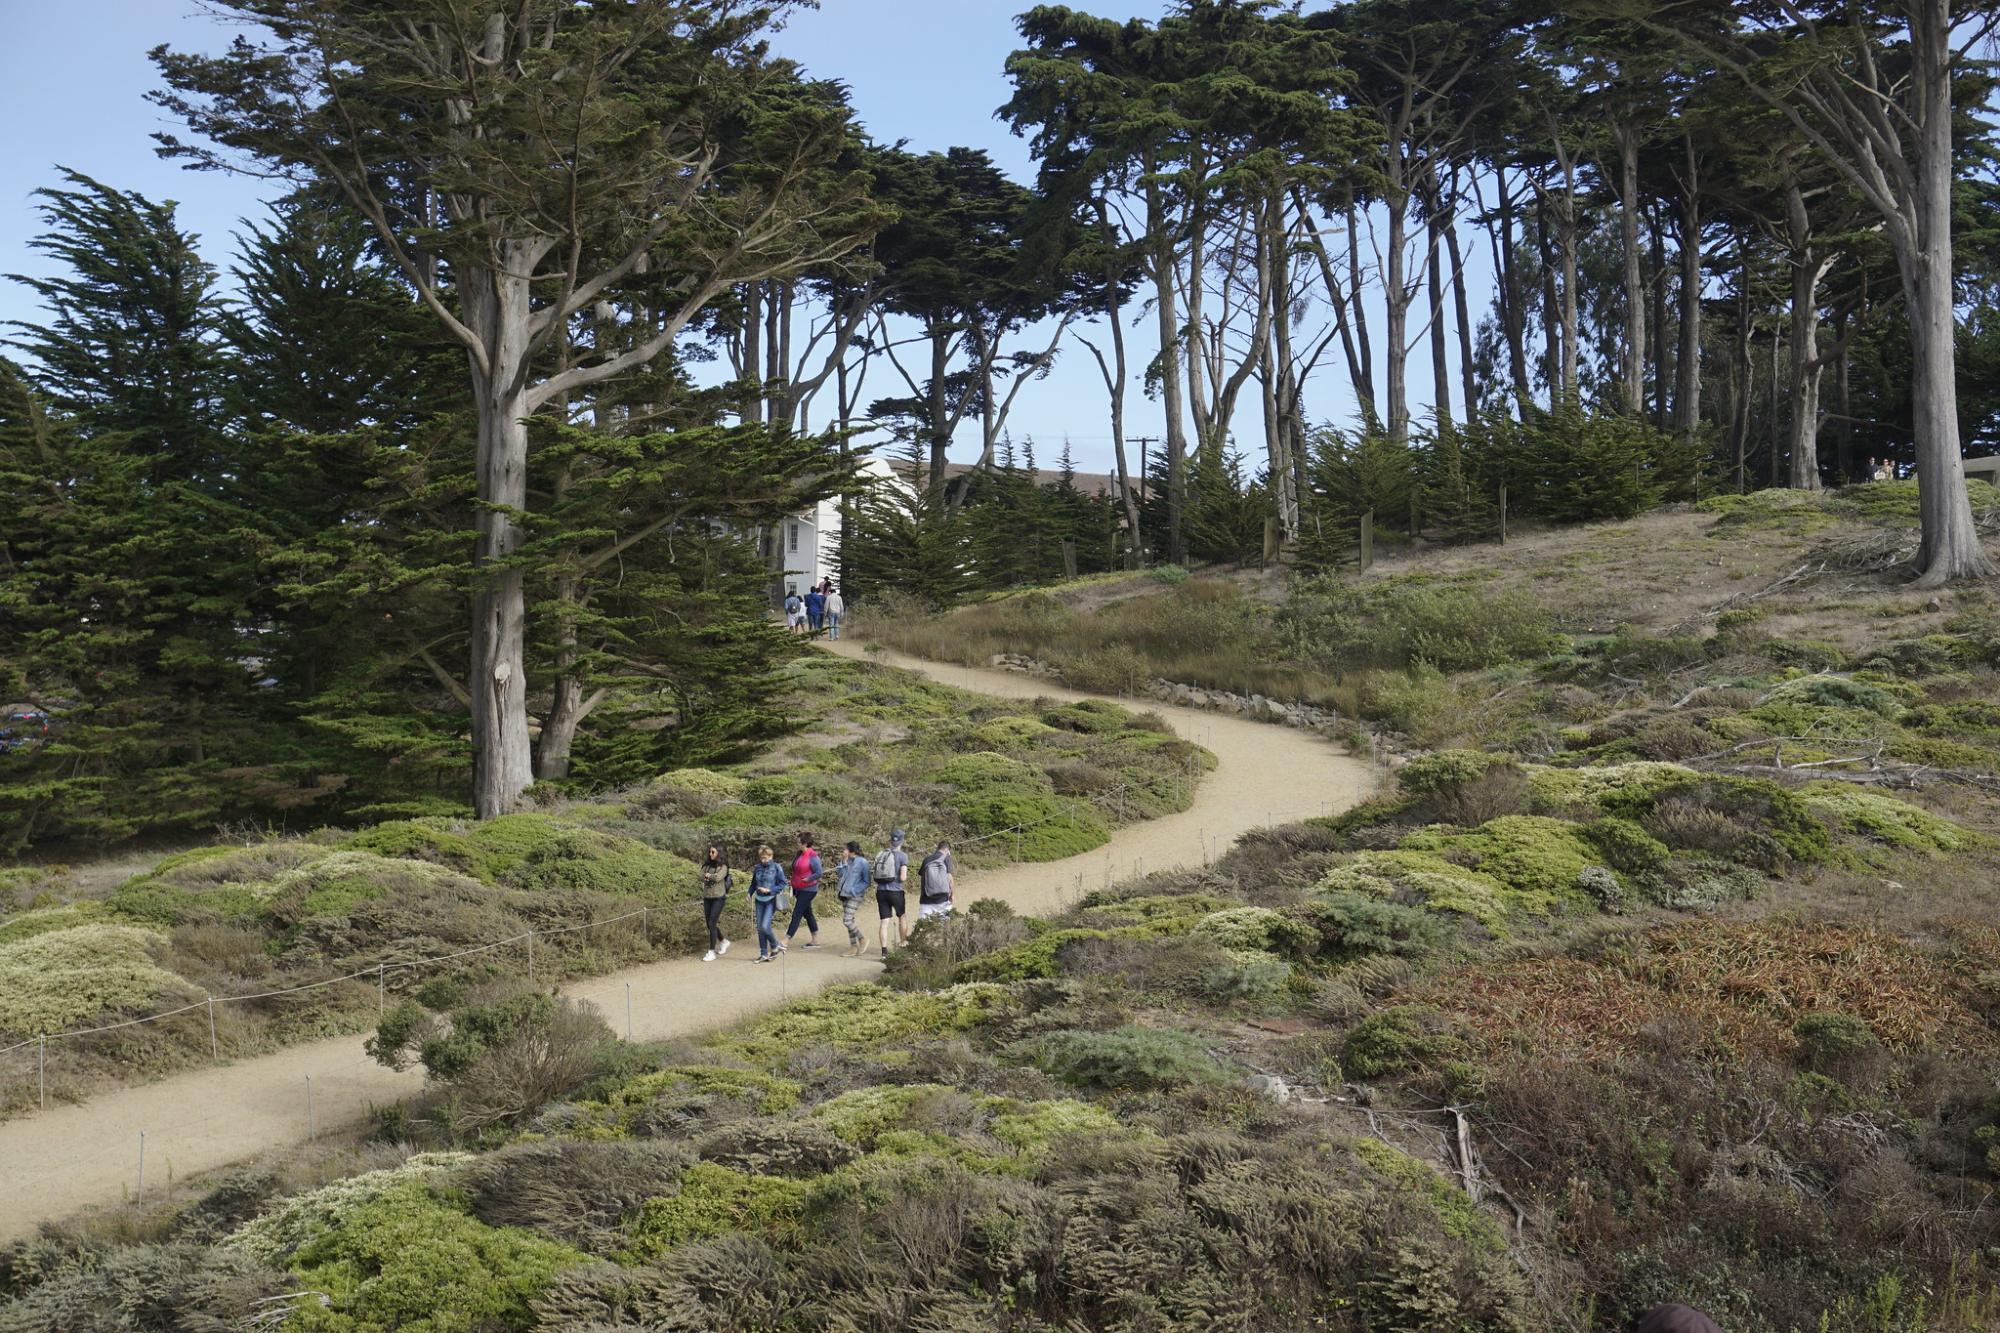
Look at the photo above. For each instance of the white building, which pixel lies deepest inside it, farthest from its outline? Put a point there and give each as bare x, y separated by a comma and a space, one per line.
809, 542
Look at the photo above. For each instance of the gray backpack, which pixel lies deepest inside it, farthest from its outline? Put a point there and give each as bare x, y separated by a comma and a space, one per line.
885, 866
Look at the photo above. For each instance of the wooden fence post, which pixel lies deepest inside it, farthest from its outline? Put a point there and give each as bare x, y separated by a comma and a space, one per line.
1367, 540
1503, 514
1069, 557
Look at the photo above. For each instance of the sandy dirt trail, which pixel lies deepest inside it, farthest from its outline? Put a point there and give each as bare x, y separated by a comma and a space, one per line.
76, 1157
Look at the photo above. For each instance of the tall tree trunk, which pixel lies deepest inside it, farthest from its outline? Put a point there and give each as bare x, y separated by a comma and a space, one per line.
1772, 430
753, 345
1513, 302
1463, 308
1166, 311
1663, 367
1128, 496
1344, 318
503, 758
1568, 243
1281, 402
1843, 422
1632, 386
1687, 393
1552, 341
1361, 317
940, 411
1440, 359
1745, 372
1808, 267
1950, 547
1396, 299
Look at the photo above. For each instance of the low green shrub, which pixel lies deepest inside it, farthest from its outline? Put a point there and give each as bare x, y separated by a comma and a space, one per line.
1126, 1058
65, 978
1398, 1039
411, 1260
714, 1201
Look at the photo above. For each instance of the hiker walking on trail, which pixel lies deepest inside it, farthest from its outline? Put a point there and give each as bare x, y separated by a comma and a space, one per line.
855, 875
815, 611
836, 607
715, 881
767, 884
936, 888
891, 871
806, 870
795, 611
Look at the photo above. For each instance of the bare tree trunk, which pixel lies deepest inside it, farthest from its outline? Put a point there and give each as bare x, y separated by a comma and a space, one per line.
1687, 394
1116, 376
1462, 307
1772, 429
1567, 242
1843, 423
1551, 304
1950, 548
1663, 357
1396, 298
503, 758
1166, 311
940, 422
1281, 402
1808, 267
1440, 359
1745, 372
1632, 387
753, 343
1361, 319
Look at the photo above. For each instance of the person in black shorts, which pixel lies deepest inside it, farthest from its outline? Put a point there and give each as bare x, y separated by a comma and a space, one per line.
891, 871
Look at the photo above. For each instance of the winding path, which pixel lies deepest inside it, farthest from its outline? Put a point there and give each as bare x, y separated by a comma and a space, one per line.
74, 1157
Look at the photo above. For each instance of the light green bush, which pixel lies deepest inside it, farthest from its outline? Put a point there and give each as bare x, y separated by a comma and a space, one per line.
42, 920
714, 1201
1127, 1058
411, 1261
1884, 818
66, 978
291, 1223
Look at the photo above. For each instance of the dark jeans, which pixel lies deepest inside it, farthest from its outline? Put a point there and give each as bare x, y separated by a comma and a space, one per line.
712, 909
767, 934
802, 910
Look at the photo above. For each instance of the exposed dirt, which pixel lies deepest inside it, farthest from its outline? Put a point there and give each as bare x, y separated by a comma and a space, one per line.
87, 1156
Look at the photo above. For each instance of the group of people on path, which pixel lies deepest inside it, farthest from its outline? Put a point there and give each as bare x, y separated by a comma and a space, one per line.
887, 873
818, 609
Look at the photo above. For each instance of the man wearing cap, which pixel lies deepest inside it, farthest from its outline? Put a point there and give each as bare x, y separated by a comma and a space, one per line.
891, 872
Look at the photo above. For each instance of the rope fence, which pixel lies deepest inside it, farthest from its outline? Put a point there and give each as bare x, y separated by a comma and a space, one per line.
381, 971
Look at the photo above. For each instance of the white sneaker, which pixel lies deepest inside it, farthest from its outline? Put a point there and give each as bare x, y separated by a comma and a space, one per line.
708, 957
723, 947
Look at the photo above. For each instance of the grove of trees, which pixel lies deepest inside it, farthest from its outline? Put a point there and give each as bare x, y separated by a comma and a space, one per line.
462, 467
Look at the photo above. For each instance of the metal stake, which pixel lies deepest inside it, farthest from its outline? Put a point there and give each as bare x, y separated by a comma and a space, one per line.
140, 1197
628, 1011
312, 1122
42, 1069
381, 989
214, 1047
531, 955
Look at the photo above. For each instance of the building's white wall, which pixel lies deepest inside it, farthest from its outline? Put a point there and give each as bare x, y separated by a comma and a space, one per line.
816, 555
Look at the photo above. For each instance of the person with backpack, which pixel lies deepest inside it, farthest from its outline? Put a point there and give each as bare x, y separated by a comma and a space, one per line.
836, 607
806, 870
890, 871
795, 610
855, 875
767, 885
815, 611
715, 883
935, 885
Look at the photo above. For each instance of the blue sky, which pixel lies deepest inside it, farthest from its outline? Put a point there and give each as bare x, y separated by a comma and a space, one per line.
929, 71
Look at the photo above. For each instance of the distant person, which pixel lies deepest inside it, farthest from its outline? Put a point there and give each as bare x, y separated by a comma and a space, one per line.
806, 872
767, 885
1883, 470
836, 607
715, 884
815, 611
855, 877
795, 610
935, 885
891, 872
1677, 1319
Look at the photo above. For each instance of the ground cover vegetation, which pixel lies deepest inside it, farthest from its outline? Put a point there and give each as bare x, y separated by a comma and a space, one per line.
1005, 782
1589, 1010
